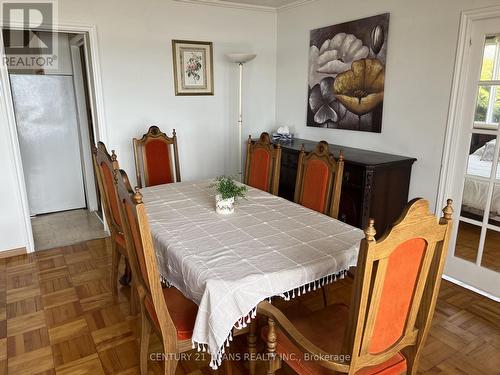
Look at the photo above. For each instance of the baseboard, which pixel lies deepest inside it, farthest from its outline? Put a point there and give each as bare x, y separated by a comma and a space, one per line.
12, 253
471, 288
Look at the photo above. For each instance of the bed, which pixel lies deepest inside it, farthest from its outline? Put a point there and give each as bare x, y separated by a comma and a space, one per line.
476, 191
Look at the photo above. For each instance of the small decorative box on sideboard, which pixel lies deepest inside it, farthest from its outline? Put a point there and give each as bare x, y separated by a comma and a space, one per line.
375, 184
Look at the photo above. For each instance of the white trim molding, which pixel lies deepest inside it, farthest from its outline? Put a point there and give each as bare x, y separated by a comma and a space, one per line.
237, 5
471, 288
97, 106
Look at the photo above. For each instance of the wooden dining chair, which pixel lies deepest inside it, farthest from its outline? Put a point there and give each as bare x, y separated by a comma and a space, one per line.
156, 158
166, 310
392, 305
262, 167
319, 180
104, 165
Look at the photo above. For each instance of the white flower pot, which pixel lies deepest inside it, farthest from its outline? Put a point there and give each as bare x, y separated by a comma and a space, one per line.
224, 206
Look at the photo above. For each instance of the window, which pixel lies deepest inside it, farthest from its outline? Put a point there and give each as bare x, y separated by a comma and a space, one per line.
487, 114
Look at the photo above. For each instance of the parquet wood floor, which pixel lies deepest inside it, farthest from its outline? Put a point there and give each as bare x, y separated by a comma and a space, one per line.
57, 316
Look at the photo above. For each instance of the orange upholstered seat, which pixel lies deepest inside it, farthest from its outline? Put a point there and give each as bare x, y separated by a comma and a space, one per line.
259, 174
396, 297
155, 156
315, 185
182, 311
326, 329
262, 167
393, 300
319, 180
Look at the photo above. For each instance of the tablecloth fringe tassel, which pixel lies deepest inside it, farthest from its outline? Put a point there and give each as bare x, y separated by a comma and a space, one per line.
243, 322
165, 282
312, 286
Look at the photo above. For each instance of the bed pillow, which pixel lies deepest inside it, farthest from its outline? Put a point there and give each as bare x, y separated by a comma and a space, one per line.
489, 151
480, 151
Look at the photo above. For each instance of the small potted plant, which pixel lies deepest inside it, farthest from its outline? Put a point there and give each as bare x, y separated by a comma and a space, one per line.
226, 192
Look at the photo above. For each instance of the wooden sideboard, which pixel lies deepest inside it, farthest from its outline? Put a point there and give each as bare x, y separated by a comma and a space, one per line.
375, 185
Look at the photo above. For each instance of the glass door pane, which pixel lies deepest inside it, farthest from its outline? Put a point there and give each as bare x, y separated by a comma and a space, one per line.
494, 218
479, 161
490, 53
467, 244
476, 181
487, 111
491, 251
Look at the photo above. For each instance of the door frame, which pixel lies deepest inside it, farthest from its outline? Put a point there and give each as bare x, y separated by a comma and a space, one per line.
83, 121
97, 107
453, 129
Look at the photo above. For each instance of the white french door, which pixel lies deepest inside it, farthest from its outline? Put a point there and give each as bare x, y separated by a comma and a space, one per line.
474, 174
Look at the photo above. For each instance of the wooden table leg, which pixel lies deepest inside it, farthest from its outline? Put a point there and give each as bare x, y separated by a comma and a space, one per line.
252, 346
273, 362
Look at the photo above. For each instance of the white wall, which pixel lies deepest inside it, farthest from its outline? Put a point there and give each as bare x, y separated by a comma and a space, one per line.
421, 54
137, 77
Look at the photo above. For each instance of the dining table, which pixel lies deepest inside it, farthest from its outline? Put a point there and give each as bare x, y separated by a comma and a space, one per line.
227, 264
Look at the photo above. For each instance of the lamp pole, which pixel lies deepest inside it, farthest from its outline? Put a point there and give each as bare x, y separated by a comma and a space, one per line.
240, 122
240, 59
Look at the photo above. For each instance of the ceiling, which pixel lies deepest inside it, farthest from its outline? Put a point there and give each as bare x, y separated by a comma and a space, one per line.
270, 5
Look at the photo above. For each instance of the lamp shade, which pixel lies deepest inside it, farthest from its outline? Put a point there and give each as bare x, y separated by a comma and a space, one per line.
240, 58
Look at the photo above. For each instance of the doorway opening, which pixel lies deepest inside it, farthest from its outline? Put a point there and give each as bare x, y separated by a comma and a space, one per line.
56, 131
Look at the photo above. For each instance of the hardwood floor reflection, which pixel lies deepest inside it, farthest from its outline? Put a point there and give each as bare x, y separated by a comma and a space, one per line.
491, 252
468, 243
57, 316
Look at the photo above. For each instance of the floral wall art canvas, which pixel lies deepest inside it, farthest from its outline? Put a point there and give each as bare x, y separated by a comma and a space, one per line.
347, 73
193, 73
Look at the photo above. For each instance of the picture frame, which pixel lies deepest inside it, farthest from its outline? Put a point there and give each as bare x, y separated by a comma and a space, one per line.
347, 64
193, 67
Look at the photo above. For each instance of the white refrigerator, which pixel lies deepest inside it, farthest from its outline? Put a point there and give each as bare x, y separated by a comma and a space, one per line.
48, 133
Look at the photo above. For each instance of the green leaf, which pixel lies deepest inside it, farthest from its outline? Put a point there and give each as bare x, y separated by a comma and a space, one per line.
227, 188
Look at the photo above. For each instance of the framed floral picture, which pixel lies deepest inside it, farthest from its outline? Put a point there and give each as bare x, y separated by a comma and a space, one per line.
193, 67
347, 74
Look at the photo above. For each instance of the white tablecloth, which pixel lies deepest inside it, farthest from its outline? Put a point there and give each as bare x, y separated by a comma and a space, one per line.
227, 264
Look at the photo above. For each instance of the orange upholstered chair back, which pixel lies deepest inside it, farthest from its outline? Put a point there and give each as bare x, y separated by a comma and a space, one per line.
396, 285
156, 155
319, 180
104, 165
139, 242
262, 167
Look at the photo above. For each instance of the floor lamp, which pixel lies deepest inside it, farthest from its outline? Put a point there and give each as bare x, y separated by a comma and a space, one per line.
240, 59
